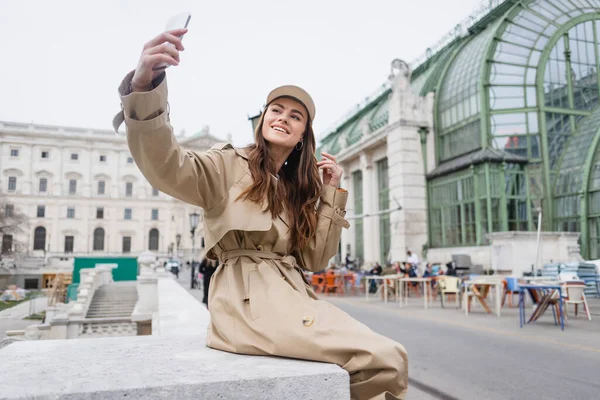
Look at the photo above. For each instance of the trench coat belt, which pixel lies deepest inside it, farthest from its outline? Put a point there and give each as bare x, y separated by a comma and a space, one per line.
257, 255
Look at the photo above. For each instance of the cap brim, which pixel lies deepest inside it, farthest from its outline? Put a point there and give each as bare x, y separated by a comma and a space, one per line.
297, 93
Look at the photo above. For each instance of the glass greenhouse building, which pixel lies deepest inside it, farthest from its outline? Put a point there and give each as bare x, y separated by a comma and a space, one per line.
516, 124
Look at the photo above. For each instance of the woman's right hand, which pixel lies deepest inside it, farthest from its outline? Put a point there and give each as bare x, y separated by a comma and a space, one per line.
157, 51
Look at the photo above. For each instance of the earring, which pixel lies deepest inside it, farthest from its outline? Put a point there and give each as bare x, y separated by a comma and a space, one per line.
301, 143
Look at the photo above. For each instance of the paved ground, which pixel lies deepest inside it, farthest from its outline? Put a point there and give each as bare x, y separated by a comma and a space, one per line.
12, 318
453, 356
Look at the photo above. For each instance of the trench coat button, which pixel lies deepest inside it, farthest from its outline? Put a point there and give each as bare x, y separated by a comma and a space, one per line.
259, 247
308, 320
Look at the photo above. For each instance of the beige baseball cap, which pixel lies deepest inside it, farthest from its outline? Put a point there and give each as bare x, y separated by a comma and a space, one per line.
297, 93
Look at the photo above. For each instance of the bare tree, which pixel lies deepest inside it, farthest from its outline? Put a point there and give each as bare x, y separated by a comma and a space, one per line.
13, 226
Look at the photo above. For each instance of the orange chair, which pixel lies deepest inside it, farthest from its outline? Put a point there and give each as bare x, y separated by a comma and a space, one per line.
318, 283
350, 279
334, 283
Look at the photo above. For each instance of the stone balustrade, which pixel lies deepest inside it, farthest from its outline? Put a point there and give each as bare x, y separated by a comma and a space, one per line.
172, 363
107, 327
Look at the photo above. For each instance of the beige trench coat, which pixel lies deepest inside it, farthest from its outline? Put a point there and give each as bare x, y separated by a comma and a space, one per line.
260, 302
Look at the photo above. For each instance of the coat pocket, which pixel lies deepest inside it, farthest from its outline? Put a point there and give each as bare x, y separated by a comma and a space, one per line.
255, 294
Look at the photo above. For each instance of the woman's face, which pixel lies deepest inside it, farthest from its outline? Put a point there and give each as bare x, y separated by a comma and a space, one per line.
284, 123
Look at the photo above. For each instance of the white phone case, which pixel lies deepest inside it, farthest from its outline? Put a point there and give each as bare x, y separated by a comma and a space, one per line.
175, 22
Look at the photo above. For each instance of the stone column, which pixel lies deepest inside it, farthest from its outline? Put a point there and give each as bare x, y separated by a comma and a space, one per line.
370, 234
147, 302
347, 237
407, 114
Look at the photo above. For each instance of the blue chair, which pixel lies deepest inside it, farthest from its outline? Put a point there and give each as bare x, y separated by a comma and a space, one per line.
511, 287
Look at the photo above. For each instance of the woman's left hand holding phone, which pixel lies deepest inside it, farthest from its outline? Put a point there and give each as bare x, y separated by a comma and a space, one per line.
162, 49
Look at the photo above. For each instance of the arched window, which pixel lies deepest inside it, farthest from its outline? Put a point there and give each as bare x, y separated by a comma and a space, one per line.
153, 239
39, 238
98, 239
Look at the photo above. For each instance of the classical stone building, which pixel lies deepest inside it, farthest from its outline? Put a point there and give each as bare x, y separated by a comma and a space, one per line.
512, 131
84, 196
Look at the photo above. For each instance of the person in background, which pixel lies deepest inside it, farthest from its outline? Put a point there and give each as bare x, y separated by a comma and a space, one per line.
349, 262
412, 259
376, 270
207, 268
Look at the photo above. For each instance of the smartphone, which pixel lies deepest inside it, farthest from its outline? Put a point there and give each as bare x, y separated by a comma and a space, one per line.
175, 22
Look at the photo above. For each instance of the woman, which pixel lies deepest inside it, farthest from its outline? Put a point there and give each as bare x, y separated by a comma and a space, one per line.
266, 215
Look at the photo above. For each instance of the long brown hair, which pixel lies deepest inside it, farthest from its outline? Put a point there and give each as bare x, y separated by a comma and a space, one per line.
297, 190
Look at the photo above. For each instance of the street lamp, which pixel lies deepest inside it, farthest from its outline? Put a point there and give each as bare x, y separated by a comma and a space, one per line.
193, 225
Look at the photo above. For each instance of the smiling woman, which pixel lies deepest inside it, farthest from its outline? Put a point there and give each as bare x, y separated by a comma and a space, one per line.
268, 215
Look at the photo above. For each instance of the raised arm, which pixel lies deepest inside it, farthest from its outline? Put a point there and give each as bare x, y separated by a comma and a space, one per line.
201, 179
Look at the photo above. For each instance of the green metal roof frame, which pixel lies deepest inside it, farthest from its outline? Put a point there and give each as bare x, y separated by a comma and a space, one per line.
549, 209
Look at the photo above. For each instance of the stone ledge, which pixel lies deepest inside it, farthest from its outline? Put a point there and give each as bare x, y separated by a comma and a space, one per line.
179, 313
159, 367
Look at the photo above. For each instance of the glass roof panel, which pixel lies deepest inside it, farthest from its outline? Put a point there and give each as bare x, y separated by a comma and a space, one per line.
571, 167
462, 79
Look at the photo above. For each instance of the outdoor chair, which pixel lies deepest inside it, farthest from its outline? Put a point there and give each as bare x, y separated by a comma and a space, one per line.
511, 287
350, 282
318, 283
463, 264
478, 290
576, 295
449, 285
334, 283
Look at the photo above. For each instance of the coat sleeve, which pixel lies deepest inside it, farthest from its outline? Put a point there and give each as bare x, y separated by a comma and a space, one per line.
330, 220
201, 179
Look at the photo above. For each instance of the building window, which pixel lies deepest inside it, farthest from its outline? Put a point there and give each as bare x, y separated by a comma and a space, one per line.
154, 192
31, 284
127, 214
126, 244
39, 238
100, 213
129, 160
153, 239
101, 187
43, 185
69, 243
74, 156
14, 153
12, 183
452, 211
357, 185
102, 158
41, 211
98, 239
72, 186
9, 210
128, 189
154, 215
385, 228
7, 241
45, 154
70, 212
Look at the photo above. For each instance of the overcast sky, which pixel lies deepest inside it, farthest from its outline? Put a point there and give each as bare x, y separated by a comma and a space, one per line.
63, 60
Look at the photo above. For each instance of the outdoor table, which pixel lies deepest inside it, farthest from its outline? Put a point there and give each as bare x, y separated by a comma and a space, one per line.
483, 282
546, 291
401, 295
385, 285
538, 279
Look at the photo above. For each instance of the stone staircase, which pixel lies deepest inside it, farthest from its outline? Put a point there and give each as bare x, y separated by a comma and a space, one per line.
113, 300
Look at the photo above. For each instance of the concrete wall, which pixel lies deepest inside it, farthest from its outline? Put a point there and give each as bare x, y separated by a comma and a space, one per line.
516, 251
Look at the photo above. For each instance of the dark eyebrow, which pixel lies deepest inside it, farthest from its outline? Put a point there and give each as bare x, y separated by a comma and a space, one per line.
293, 109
